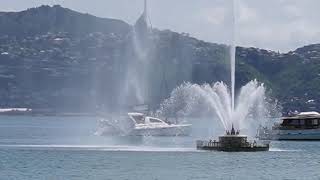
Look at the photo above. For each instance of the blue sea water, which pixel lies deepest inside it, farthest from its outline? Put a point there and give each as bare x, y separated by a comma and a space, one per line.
66, 148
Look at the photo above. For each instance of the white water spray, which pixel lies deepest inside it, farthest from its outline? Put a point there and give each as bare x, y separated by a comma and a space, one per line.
215, 100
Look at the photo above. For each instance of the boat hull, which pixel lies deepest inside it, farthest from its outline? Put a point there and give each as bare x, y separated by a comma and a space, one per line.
301, 135
293, 135
304, 126
140, 125
171, 130
162, 131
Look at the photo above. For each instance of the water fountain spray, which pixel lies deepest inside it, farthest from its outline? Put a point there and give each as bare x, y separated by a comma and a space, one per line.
218, 100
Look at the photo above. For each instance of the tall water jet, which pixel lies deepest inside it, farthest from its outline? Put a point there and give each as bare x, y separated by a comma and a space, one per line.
233, 54
141, 32
136, 85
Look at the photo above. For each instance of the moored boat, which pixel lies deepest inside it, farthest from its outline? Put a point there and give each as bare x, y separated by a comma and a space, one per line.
138, 124
303, 126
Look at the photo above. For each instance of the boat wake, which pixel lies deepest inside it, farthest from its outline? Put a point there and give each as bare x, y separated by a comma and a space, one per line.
98, 148
284, 150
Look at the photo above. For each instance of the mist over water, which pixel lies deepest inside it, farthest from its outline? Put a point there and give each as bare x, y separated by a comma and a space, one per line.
246, 109
136, 88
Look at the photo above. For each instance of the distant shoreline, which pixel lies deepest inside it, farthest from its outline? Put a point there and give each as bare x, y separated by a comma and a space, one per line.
18, 113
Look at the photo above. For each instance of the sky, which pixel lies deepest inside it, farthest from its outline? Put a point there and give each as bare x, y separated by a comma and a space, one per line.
279, 25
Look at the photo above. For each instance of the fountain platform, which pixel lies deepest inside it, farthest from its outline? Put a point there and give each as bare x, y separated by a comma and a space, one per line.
232, 142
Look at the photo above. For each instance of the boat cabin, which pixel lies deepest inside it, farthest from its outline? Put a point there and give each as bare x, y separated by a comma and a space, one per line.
305, 120
140, 118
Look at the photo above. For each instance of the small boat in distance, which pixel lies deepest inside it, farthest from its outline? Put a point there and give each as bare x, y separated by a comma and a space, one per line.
138, 124
303, 126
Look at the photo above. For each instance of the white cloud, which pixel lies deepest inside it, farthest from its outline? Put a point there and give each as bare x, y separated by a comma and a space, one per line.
246, 14
293, 11
215, 16
279, 25
273, 24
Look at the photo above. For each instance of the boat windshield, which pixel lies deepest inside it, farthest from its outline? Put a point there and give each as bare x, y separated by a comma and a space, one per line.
139, 119
153, 120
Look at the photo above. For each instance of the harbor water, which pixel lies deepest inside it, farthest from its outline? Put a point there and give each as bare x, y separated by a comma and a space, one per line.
66, 148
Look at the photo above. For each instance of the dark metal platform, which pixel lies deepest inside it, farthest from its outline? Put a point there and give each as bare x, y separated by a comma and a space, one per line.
232, 142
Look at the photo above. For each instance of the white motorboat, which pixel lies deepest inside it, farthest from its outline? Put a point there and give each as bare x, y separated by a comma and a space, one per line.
303, 126
138, 124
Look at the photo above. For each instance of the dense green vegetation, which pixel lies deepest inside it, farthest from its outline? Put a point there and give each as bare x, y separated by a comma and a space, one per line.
55, 58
